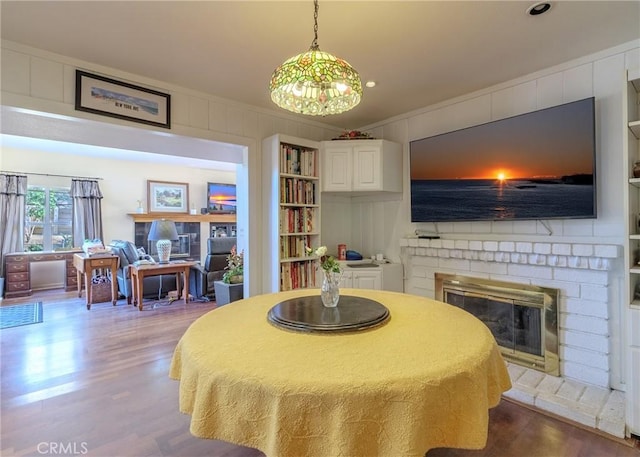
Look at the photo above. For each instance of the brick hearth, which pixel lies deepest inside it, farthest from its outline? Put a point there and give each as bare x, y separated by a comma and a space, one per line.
582, 272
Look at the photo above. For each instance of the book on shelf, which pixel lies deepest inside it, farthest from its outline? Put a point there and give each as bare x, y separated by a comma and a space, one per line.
294, 246
297, 191
308, 220
297, 275
295, 160
296, 220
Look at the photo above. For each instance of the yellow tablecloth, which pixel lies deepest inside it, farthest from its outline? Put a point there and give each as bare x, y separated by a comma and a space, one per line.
425, 379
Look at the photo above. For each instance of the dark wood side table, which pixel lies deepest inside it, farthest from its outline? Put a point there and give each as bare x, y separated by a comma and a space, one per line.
85, 265
137, 273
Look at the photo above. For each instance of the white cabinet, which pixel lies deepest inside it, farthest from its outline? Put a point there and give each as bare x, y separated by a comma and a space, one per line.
388, 276
363, 278
361, 166
291, 201
631, 194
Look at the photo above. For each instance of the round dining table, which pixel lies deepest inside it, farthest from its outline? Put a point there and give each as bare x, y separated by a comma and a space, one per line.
425, 378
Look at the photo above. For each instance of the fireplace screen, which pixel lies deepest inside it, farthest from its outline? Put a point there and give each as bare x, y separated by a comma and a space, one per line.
522, 318
517, 327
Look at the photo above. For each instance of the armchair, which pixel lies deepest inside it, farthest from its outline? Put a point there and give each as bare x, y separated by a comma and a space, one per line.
213, 267
152, 286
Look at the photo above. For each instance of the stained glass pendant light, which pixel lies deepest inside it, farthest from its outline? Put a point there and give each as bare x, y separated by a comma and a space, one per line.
315, 82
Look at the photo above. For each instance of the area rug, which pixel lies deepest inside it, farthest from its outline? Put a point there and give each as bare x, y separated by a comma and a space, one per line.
15, 316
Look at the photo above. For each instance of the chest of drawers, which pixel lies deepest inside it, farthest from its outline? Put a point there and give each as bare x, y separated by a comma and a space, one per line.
18, 276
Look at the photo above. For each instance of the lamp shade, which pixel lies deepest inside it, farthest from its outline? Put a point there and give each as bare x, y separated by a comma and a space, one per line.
316, 83
163, 232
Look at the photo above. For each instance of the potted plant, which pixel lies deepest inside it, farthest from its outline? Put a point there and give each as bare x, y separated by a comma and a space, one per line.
231, 287
234, 269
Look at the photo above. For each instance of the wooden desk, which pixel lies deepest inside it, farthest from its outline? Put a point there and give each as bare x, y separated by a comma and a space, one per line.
424, 379
137, 273
17, 268
85, 265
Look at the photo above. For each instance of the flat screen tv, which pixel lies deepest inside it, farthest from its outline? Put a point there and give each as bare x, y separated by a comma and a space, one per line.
221, 198
539, 165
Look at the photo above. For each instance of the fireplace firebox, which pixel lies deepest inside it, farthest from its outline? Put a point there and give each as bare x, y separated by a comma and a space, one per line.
187, 247
522, 318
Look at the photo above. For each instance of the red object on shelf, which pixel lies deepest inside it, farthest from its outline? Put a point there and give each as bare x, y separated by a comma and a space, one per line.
342, 252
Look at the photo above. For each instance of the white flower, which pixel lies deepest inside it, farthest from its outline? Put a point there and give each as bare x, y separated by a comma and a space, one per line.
326, 262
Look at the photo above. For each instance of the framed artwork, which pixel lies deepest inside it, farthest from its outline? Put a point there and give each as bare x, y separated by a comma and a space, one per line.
167, 197
108, 97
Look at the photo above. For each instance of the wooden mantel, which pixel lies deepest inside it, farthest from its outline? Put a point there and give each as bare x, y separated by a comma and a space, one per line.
217, 218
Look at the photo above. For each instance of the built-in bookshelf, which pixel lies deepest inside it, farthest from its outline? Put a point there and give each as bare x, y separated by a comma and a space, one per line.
292, 200
632, 188
631, 200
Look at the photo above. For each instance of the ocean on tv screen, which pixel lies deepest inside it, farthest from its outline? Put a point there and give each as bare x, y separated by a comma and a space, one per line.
456, 200
537, 165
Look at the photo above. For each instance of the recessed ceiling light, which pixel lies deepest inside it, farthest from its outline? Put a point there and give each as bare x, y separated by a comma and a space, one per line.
538, 8
370, 84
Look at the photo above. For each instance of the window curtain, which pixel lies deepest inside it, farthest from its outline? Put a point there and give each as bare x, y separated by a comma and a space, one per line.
13, 191
87, 210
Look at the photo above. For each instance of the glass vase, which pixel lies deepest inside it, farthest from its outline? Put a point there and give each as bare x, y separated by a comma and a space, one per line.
330, 290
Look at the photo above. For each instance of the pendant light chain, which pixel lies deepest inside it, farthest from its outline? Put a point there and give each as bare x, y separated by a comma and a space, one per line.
314, 43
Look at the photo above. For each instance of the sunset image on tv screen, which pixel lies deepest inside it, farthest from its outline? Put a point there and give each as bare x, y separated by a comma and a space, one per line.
539, 165
221, 197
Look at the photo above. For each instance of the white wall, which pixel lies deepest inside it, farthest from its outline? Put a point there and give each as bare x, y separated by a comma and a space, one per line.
599, 75
123, 182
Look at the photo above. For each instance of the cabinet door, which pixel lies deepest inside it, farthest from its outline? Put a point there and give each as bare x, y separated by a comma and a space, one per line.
366, 168
337, 169
367, 280
347, 279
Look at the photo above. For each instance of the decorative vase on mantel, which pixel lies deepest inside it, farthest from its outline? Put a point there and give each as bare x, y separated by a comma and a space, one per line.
330, 289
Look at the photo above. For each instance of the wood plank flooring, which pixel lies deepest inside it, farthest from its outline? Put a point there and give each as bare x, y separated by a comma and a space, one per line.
95, 383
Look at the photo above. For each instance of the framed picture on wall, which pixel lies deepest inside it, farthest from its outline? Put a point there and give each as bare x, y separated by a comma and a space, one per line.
167, 197
108, 97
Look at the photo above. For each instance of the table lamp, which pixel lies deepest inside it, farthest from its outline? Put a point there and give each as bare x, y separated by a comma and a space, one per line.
163, 232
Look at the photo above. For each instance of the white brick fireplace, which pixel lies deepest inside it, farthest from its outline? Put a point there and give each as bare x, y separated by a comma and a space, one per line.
588, 390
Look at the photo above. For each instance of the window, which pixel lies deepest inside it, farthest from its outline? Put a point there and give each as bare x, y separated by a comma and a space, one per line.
48, 219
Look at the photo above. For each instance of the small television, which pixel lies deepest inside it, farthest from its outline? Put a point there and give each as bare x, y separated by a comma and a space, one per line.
221, 198
539, 165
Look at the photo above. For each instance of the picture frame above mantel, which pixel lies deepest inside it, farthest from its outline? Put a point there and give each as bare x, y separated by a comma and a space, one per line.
108, 97
167, 197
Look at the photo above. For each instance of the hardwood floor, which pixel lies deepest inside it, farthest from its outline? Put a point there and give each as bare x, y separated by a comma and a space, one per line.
95, 383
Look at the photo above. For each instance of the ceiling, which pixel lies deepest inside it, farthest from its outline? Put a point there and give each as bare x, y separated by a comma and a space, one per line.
418, 52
